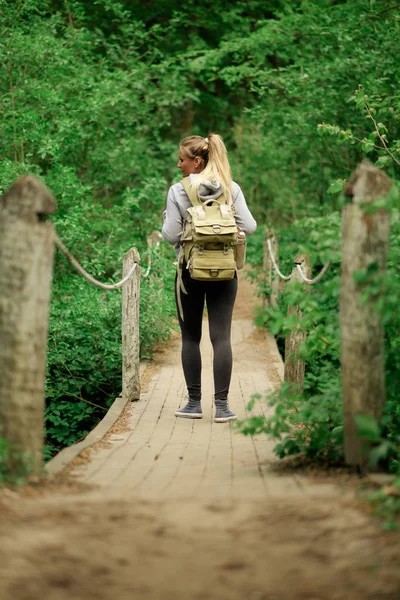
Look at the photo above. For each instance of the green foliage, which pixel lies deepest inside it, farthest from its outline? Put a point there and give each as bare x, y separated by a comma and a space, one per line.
376, 141
386, 503
380, 448
157, 304
96, 97
86, 108
386, 500
84, 362
311, 423
15, 466
304, 68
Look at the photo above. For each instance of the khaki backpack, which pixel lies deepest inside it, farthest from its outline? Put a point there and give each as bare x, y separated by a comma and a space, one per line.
210, 244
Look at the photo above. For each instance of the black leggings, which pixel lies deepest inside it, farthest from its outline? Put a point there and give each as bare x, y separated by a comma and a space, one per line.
220, 297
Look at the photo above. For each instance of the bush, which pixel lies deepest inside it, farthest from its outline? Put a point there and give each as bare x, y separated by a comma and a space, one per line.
311, 423
311, 426
84, 356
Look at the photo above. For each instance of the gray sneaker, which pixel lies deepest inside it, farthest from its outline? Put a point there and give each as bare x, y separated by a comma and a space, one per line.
224, 414
192, 410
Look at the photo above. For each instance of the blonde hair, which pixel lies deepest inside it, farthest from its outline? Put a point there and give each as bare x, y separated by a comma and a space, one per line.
214, 156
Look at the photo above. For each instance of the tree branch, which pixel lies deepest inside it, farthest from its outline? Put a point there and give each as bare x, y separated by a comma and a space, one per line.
69, 14
380, 136
387, 9
87, 401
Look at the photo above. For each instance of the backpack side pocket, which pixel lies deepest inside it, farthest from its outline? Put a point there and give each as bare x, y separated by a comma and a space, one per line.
240, 250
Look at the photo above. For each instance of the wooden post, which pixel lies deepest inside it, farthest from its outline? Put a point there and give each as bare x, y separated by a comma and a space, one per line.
365, 242
272, 278
294, 366
154, 239
26, 266
130, 328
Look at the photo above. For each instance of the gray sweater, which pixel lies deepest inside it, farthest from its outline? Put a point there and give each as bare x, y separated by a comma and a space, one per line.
178, 203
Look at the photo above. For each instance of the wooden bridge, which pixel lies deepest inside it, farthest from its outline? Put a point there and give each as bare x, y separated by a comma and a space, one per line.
153, 454
161, 508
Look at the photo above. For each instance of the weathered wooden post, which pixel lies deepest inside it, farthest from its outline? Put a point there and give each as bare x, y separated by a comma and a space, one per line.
26, 267
130, 328
365, 243
294, 366
272, 277
154, 239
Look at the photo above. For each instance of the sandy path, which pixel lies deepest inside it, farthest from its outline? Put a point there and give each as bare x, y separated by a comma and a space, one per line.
177, 509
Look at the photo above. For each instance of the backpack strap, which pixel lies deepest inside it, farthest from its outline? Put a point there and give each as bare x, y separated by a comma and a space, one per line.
180, 288
187, 186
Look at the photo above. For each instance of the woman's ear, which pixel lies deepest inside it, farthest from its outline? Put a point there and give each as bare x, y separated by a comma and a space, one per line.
197, 162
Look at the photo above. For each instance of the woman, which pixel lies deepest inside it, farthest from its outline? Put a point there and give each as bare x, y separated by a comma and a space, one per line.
205, 161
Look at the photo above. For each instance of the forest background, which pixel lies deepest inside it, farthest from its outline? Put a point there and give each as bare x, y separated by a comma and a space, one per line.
95, 98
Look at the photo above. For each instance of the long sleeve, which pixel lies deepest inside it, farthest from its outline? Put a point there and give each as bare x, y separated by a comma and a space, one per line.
244, 219
173, 221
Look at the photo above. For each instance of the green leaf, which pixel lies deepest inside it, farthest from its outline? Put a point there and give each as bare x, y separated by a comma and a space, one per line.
380, 452
368, 427
336, 186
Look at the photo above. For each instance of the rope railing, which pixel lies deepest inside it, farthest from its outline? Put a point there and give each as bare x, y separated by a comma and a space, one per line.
130, 308
294, 366
301, 272
317, 278
86, 275
286, 278
147, 272
109, 286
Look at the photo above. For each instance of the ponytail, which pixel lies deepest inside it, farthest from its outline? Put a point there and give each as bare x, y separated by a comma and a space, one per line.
214, 155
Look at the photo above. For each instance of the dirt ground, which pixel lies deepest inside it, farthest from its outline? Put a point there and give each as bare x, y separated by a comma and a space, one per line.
64, 540
81, 546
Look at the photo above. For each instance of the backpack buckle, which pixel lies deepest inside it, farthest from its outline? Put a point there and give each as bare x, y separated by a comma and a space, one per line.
216, 228
214, 272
